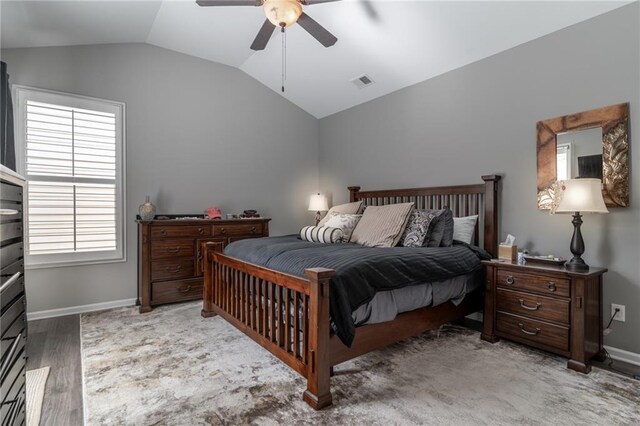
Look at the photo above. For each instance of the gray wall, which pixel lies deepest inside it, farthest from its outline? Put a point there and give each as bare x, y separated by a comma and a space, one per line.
480, 119
198, 133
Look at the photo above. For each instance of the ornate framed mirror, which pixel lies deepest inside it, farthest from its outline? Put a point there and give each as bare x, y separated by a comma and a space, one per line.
589, 144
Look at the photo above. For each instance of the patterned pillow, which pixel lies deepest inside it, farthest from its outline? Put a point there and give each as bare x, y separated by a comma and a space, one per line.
322, 234
349, 208
346, 222
417, 228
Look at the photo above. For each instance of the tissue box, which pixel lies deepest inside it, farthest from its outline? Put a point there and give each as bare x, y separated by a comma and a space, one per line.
507, 252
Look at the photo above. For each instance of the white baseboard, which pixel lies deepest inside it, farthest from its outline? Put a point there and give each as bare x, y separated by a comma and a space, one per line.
624, 356
71, 310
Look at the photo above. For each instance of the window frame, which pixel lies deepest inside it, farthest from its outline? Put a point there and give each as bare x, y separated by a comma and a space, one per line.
567, 148
22, 94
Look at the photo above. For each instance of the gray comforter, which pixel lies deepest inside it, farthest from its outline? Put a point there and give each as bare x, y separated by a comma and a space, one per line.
360, 271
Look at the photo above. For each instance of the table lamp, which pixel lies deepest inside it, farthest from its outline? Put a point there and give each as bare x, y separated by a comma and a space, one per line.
318, 203
579, 196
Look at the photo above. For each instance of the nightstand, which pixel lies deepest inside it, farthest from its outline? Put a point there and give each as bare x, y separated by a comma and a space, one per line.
546, 307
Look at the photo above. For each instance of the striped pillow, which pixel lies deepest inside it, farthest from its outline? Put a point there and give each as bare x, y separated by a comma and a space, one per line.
382, 226
322, 234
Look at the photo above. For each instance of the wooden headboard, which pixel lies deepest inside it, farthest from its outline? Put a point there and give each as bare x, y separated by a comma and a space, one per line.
463, 200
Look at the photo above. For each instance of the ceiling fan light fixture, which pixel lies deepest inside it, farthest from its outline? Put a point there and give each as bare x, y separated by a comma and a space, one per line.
282, 13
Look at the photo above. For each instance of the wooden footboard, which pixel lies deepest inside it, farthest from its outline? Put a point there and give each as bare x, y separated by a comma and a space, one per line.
287, 315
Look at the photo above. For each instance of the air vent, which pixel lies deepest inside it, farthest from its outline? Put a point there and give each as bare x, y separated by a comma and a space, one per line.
362, 81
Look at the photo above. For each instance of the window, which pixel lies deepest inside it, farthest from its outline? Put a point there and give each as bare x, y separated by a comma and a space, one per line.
71, 151
563, 161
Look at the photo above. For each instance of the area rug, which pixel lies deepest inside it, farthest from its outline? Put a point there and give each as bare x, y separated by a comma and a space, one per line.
36, 382
173, 367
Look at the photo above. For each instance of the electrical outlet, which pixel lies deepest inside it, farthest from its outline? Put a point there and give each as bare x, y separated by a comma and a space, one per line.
620, 316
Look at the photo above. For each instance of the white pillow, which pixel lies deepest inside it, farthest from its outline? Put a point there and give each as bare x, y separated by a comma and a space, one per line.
346, 222
349, 208
464, 228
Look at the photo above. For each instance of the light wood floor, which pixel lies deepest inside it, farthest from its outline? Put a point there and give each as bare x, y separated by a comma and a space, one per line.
55, 342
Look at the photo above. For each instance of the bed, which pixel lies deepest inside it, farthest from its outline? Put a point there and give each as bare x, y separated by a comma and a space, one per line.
288, 313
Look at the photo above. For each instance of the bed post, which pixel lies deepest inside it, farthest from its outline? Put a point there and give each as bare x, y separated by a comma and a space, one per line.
207, 288
491, 213
353, 193
318, 393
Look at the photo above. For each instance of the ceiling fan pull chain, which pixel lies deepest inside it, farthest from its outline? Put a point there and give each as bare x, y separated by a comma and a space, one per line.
284, 56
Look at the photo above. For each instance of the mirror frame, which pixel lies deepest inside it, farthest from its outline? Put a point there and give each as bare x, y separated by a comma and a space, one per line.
614, 121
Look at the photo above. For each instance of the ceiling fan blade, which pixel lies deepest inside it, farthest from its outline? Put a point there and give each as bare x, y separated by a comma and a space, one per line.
261, 40
310, 2
316, 30
229, 2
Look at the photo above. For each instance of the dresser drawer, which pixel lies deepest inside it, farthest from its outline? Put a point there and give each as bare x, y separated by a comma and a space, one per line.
541, 284
15, 329
12, 312
10, 230
172, 269
176, 291
10, 192
220, 230
173, 247
11, 253
180, 231
533, 331
534, 306
11, 289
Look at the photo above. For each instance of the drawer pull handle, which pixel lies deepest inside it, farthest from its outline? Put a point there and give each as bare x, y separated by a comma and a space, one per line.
551, 286
510, 280
173, 250
8, 212
200, 231
10, 281
177, 269
253, 229
163, 232
223, 231
186, 290
529, 308
530, 333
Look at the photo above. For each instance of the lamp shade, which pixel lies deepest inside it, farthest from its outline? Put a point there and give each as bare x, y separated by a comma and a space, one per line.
581, 195
318, 203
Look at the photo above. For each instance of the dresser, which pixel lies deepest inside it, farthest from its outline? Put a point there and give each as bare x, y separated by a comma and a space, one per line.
13, 321
171, 252
547, 307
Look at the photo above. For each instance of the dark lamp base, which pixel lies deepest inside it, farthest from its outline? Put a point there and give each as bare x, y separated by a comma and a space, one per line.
576, 265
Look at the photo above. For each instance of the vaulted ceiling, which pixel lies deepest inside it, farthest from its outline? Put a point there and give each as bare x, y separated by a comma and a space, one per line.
396, 43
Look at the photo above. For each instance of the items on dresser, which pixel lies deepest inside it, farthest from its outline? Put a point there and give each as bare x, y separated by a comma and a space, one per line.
547, 307
13, 322
171, 251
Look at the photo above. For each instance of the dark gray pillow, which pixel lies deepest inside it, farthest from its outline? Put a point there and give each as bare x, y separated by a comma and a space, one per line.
440, 229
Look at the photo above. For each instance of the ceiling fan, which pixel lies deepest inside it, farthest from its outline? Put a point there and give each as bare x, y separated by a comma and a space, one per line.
283, 14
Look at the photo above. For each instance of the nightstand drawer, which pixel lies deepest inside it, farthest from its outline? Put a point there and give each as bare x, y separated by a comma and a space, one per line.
520, 328
237, 229
541, 284
534, 306
170, 248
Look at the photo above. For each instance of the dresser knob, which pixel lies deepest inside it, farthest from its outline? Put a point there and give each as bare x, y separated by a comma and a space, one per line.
551, 286
200, 231
185, 290
510, 280
177, 269
223, 231
253, 229
163, 232
173, 250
